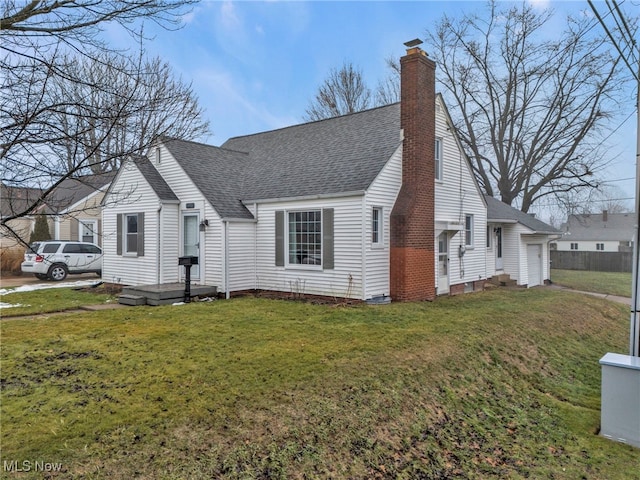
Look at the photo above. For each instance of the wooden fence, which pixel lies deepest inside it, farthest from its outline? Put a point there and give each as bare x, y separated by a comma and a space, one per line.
592, 261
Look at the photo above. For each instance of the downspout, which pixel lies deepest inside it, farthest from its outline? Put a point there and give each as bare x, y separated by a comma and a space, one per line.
255, 247
159, 254
56, 227
225, 261
363, 244
557, 237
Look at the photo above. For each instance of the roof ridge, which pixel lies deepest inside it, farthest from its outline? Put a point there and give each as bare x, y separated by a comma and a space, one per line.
297, 125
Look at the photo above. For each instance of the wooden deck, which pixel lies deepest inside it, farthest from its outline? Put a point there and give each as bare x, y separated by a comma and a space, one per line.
162, 294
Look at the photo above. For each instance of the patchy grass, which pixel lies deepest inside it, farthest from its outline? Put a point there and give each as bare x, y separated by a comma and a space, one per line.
500, 384
609, 283
51, 300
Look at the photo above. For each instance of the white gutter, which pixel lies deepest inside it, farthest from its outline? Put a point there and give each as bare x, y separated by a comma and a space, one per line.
159, 254
321, 196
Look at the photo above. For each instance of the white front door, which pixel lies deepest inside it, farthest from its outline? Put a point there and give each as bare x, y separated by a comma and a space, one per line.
191, 242
499, 263
443, 263
88, 231
534, 265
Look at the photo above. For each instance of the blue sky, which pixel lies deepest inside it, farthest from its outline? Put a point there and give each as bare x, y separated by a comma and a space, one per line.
255, 66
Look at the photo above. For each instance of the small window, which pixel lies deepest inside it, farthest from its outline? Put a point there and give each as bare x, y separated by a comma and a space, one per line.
376, 226
600, 246
574, 246
438, 158
157, 155
489, 236
131, 233
468, 230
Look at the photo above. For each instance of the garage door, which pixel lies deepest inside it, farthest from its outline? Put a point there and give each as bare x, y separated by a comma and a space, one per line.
534, 263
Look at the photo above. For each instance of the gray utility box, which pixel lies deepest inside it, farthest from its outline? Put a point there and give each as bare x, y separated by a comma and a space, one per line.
620, 408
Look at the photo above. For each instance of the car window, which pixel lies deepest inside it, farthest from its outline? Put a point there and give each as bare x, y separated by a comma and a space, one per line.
34, 246
88, 248
50, 247
72, 248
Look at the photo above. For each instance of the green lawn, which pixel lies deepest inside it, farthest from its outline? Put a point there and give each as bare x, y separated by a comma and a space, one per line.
51, 300
499, 384
609, 283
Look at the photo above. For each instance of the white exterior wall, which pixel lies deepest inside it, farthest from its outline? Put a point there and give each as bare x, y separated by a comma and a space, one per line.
528, 239
241, 255
345, 280
131, 194
211, 249
382, 193
169, 243
457, 195
587, 245
511, 246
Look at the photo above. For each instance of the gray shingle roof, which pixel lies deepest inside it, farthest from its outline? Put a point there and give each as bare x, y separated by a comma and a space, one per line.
617, 227
499, 211
337, 155
155, 180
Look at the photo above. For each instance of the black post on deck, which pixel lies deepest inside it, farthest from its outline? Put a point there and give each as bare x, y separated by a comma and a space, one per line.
187, 262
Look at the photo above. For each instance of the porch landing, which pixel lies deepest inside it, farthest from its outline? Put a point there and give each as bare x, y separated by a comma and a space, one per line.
162, 294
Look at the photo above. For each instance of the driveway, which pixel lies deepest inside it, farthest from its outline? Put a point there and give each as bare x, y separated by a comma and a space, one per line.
7, 281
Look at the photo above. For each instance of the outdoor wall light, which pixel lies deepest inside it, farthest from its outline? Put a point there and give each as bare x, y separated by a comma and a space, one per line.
204, 224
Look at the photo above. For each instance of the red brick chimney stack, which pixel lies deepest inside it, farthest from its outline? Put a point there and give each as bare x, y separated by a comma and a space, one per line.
412, 262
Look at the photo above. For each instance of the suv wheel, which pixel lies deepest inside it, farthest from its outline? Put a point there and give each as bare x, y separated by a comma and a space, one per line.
58, 272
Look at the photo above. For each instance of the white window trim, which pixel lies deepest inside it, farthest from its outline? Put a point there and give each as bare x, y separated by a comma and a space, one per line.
380, 242
439, 159
471, 232
125, 232
94, 228
301, 266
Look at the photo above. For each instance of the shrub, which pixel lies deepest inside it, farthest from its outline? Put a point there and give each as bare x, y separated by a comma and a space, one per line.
11, 258
40, 230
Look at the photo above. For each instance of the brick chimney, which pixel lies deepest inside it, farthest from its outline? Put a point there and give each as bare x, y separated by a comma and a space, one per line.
412, 258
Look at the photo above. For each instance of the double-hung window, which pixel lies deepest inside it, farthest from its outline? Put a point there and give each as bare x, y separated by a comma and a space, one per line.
574, 246
376, 226
130, 234
468, 230
439, 158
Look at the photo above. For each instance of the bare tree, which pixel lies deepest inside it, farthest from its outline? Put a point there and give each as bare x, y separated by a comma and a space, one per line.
388, 89
70, 102
530, 110
344, 91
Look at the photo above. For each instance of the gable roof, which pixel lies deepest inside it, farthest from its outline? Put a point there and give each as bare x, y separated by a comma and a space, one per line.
616, 227
333, 156
500, 212
155, 180
15, 200
73, 189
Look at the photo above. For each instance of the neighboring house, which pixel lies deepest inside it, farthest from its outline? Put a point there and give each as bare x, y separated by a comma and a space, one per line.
15, 200
606, 232
73, 209
518, 244
76, 208
376, 204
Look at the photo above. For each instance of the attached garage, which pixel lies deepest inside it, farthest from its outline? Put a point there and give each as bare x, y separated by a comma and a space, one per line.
534, 264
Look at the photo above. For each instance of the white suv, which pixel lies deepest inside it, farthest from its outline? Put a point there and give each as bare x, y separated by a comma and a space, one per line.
55, 259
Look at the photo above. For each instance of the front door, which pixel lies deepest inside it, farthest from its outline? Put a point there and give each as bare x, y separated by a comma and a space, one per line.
499, 263
443, 263
191, 242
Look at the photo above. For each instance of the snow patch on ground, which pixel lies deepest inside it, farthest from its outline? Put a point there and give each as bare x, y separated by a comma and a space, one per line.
9, 305
42, 286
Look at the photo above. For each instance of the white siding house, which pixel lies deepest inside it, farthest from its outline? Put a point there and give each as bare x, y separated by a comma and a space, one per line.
311, 209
